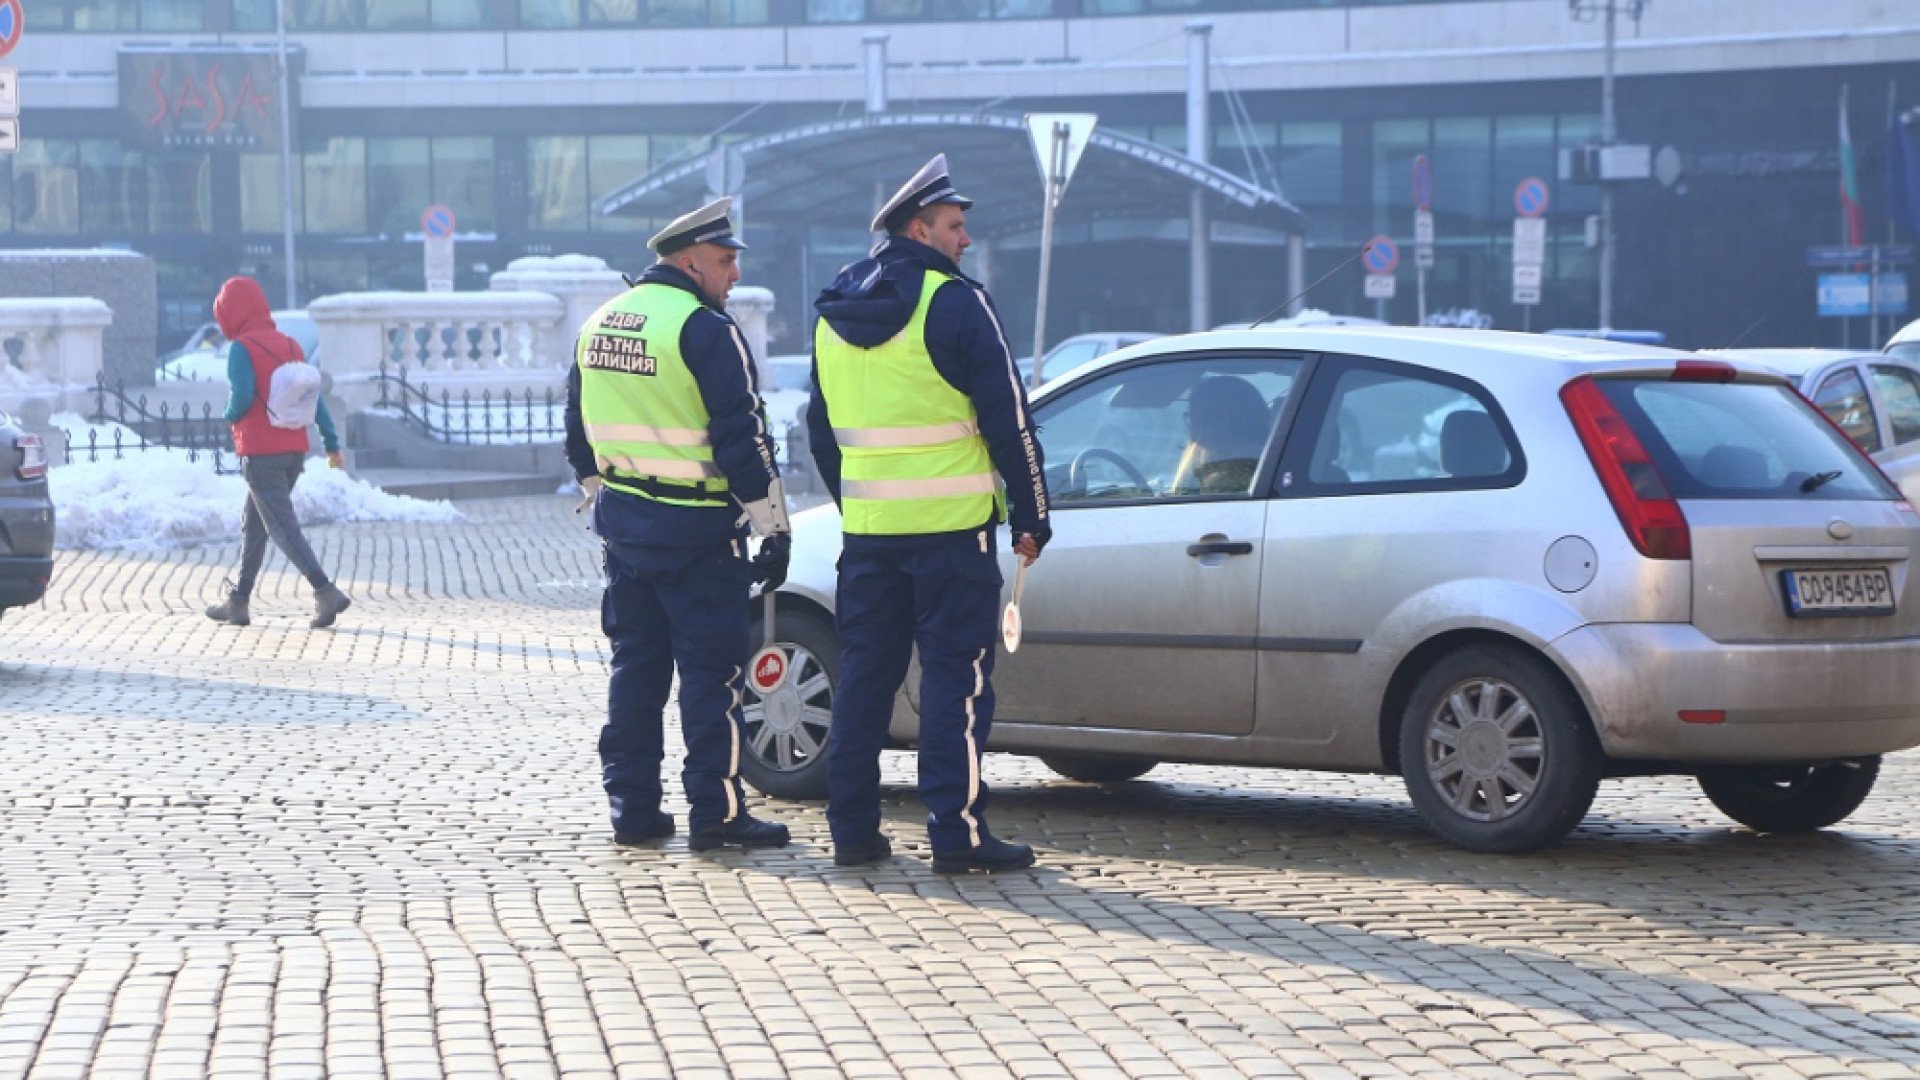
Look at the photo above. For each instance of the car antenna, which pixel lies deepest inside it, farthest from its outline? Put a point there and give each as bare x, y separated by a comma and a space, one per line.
1288, 302
1755, 325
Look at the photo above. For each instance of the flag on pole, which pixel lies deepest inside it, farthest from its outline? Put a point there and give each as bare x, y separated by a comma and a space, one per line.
1849, 182
1903, 178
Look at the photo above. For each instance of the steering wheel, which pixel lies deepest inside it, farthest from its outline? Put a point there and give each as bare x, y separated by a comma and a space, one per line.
1077, 469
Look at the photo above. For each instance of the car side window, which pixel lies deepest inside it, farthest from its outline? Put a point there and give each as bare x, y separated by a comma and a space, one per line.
1900, 394
1398, 428
1185, 427
1843, 397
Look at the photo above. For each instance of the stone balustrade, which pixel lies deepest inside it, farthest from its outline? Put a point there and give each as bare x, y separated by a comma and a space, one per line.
502, 340
51, 349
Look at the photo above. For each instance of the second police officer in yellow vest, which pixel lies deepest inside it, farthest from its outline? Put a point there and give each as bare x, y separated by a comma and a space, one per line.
667, 433
917, 417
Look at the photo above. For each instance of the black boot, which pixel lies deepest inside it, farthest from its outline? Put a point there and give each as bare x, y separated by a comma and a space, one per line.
875, 848
745, 831
328, 603
232, 610
989, 854
646, 832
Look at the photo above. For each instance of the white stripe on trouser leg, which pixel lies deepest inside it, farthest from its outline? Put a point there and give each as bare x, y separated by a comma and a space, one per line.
733, 740
973, 756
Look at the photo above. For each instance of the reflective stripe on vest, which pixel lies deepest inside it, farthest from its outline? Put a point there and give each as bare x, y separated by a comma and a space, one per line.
639, 403
925, 435
912, 458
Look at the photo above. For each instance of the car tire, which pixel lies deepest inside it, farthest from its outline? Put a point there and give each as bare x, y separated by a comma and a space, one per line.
1094, 769
1791, 798
785, 739
1497, 752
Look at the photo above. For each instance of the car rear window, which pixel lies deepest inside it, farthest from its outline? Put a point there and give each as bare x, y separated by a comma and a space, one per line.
1743, 441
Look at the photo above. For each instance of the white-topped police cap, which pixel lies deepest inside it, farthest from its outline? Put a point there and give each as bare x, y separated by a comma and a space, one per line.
931, 186
707, 225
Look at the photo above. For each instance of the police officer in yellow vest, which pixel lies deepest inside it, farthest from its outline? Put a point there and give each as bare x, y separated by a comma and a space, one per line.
916, 407
667, 434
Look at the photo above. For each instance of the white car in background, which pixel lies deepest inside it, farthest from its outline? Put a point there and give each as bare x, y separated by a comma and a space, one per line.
1906, 343
205, 357
1873, 397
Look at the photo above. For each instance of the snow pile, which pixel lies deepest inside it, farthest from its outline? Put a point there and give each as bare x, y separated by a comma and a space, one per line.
156, 499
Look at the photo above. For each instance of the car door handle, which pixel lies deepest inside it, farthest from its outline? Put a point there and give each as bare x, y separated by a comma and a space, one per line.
1221, 547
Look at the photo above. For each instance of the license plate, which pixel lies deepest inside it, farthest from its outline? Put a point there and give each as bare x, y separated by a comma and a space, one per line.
1813, 593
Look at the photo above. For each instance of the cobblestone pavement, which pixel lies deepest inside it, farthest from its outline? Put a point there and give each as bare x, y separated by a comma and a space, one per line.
381, 850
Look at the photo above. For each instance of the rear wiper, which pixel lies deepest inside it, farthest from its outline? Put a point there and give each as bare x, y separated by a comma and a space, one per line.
1818, 480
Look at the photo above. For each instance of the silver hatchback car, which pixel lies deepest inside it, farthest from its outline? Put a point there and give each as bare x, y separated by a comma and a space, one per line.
1503, 566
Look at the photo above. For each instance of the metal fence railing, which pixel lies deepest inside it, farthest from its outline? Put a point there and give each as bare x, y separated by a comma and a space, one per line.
484, 419
138, 426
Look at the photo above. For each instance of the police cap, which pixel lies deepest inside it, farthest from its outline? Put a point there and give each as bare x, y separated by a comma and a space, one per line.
931, 186
707, 225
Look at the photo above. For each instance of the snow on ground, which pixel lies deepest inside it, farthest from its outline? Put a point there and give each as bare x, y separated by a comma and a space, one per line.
153, 499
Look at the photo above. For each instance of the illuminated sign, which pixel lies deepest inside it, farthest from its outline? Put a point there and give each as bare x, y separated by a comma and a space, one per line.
198, 98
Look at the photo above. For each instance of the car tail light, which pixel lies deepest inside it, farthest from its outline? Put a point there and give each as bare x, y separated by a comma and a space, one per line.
1703, 716
1648, 512
33, 457
1704, 371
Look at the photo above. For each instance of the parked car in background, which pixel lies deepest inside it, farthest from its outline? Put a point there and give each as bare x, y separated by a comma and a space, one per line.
26, 517
1503, 566
792, 381
1873, 397
1079, 349
205, 357
1312, 317
1906, 343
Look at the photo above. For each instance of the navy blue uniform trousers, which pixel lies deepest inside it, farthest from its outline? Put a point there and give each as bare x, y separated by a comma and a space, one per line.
666, 607
942, 595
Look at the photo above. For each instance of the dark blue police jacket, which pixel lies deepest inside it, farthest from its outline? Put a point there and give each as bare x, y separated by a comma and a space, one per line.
873, 299
743, 447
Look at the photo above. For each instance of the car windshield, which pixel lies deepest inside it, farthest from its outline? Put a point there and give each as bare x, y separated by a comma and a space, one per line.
1743, 441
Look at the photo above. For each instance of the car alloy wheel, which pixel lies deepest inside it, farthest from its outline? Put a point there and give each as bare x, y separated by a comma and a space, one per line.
786, 731
1484, 750
1497, 751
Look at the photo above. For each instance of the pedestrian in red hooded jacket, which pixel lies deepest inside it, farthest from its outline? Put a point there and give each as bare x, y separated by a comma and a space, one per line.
271, 458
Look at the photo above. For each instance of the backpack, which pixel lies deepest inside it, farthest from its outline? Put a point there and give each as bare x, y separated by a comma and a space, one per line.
293, 395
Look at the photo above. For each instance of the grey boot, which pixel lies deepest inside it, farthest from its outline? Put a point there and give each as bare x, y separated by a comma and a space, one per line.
328, 603
232, 610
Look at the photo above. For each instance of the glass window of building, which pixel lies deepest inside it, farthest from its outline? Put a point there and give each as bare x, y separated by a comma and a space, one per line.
1522, 147
329, 14
463, 180
113, 189
46, 187
706, 12
260, 193
399, 184
1395, 144
549, 14
1310, 173
1462, 161
615, 161
1577, 129
557, 183
612, 12
172, 14
462, 14
104, 14
398, 15
6, 193
255, 15
335, 186
181, 192
833, 11
46, 15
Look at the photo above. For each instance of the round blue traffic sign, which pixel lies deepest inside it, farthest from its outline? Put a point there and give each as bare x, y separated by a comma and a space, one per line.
436, 222
1382, 255
1422, 183
12, 22
1530, 197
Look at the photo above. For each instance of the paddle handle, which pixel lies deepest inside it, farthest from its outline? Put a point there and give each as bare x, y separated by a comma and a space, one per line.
1019, 579
766, 598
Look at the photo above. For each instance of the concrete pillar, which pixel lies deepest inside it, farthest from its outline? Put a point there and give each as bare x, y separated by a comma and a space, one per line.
1296, 273
876, 47
1199, 143
582, 283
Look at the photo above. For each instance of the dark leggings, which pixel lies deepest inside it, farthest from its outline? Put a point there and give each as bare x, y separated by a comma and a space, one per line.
269, 513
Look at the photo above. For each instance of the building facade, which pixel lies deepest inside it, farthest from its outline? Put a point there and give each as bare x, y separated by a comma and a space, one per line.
153, 125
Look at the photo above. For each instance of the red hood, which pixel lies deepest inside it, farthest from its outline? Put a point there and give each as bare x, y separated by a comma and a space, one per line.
242, 312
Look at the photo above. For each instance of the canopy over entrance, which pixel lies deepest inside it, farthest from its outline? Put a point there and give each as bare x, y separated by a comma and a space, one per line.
838, 171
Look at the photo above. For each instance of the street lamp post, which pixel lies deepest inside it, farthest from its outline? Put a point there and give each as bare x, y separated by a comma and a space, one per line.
286, 148
1608, 11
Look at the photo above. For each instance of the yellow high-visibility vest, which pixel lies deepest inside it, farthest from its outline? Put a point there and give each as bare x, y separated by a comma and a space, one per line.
639, 403
912, 459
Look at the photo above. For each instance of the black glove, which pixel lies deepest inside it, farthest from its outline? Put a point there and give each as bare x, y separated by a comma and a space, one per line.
770, 563
1040, 537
